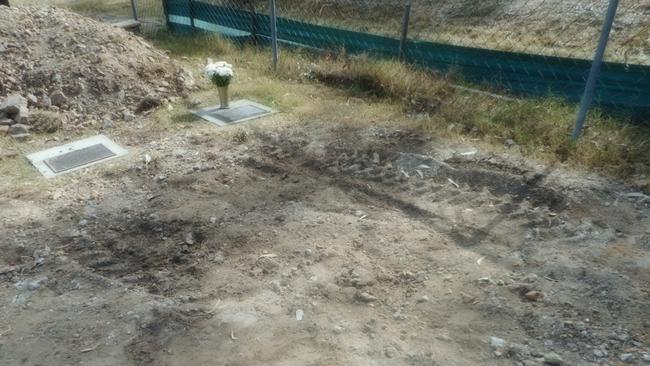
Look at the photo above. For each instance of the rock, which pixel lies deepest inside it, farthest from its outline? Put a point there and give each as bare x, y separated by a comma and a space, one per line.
21, 137
423, 298
390, 352
13, 104
31, 99
600, 353
497, 343
534, 295
58, 98
337, 329
18, 129
626, 357
365, 297
484, 281
300, 314
128, 116
518, 350
149, 102
29, 285
646, 357
4, 129
375, 158
6, 121
552, 358
509, 142
45, 121
218, 258
20, 299
46, 101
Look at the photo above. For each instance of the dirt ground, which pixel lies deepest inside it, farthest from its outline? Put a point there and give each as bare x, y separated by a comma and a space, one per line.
294, 240
391, 249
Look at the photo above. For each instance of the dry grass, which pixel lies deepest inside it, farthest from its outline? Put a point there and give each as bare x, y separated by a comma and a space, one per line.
391, 91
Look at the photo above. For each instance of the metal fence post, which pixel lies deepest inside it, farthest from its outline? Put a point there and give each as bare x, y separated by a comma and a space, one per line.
405, 28
590, 87
274, 36
134, 10
166, 13
191, 5
254, 24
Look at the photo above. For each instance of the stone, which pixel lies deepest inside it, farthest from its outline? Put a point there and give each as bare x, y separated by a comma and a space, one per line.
18, 128
509, 142
31, 99
128, 116
534, 295
21, 137
58, 98
13, 104
4, 129
646, 357
600, 353
552, 358
45, 121
390, 352
519, 350
29, 285
497, 343
300, 314
149, 102
365, 297
626, 357
6, 121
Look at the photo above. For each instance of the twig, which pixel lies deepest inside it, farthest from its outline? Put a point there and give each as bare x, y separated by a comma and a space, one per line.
481, 92
232, 335
454, 183
215, 307
267, 256
6, 331
90, 349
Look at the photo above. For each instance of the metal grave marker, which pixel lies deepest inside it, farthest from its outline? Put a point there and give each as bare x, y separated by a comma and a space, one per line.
76, 155
239, 111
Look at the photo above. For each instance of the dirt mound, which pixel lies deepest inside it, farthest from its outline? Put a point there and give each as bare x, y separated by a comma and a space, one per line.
91, 73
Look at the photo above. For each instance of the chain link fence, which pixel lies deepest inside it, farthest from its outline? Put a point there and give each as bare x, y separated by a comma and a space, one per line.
529, 47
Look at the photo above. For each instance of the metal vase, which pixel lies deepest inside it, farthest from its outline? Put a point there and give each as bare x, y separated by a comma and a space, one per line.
223, 96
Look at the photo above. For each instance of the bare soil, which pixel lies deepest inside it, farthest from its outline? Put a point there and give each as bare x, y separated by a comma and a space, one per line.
398, 250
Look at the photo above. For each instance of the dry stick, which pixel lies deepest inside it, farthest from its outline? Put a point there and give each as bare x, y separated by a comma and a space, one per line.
89, 349
481, 92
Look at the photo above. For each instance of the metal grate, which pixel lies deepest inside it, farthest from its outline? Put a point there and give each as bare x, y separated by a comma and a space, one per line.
77, 158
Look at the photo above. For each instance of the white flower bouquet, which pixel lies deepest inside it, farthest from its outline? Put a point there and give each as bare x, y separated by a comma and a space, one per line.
220, 73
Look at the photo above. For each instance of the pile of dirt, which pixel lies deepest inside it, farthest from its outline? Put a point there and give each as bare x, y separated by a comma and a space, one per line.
89, 73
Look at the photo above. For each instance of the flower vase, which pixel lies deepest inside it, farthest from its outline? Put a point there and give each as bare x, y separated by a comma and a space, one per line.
223, 96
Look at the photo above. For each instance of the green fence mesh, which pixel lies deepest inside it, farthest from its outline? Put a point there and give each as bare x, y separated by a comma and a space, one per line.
536, 48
